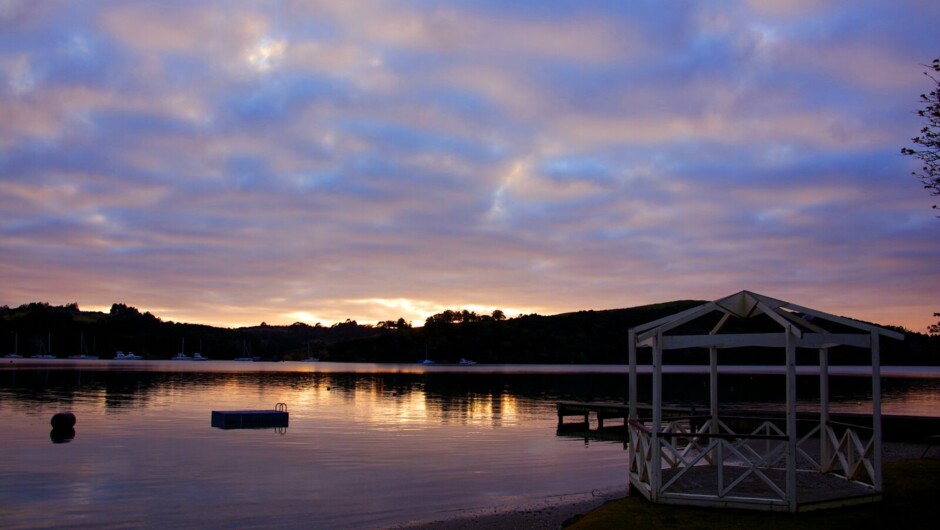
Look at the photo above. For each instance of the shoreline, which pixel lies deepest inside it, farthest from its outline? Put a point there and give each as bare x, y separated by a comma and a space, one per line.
548, 513
557, 511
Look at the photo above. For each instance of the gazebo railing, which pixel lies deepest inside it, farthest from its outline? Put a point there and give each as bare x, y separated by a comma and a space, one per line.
745, 467
640, 456
849, 455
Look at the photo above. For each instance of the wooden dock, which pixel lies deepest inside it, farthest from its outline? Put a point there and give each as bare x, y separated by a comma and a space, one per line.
896, 428
604, 410
251, 419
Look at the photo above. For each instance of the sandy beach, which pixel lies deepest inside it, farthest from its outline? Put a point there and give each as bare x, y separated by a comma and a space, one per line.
552, 513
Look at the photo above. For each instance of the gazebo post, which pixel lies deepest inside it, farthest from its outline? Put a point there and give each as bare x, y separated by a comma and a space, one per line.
632, 378
791, 418
631, 415
876, 406
713, 388
713, 400
824, 466
656, 462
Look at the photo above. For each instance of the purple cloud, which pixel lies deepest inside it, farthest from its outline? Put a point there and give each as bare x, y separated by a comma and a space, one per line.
221, 162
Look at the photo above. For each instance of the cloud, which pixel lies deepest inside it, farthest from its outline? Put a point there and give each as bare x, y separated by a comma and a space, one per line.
233, 162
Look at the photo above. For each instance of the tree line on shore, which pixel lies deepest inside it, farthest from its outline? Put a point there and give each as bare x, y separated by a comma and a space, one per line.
583, 337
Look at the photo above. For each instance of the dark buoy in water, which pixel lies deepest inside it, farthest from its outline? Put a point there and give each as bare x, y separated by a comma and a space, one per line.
63, 420
63, 431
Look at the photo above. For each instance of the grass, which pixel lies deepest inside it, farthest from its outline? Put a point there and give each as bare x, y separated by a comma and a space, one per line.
911, 500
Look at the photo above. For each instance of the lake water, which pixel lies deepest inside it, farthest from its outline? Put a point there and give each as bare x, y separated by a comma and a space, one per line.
368, 446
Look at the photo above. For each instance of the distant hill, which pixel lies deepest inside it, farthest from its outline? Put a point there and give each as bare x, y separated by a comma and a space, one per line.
40, 327
583, 337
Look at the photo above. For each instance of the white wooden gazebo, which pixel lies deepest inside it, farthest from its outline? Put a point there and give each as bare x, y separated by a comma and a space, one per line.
773, 465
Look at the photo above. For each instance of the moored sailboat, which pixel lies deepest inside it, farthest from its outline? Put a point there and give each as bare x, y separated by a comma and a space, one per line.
181, 355
16, 348
82, 351
45, 351
246, 356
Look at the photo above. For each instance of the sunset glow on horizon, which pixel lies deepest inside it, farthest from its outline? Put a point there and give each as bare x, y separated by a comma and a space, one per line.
238, 162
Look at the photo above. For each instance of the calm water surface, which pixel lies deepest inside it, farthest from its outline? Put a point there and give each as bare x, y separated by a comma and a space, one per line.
368, 445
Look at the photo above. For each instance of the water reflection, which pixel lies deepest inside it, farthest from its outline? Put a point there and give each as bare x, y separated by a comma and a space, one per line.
466, 396
402, 397
364, 448
62, 435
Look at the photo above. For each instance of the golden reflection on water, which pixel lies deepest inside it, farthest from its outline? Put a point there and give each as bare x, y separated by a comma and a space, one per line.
362, 450
362, 399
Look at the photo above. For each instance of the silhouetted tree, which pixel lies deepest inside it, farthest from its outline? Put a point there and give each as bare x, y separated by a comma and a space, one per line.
929, 140
445, 317
123, 310
934, 329
401, 323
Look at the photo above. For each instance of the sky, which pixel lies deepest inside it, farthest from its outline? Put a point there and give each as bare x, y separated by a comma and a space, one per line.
231, 162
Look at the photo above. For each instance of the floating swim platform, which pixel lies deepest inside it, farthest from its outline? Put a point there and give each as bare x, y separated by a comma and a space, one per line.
251, 419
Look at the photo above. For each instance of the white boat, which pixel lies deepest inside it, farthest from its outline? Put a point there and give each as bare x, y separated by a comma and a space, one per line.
246, 355
310, 358
427, 359
198, 356
181, 356
43, 353
466, 362
129, 356
83, 351
16, 349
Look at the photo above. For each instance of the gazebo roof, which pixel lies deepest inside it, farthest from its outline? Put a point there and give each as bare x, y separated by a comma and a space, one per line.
806, 325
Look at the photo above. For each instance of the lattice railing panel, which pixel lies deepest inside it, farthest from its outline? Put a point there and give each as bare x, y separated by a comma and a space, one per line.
850, 456
747, 467
641, 452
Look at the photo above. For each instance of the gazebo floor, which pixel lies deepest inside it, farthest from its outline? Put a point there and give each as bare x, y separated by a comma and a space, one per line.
698, 486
